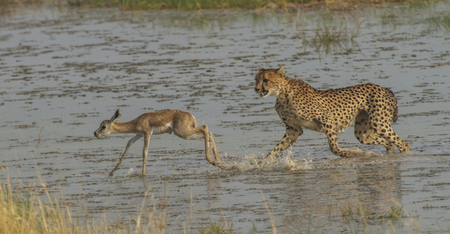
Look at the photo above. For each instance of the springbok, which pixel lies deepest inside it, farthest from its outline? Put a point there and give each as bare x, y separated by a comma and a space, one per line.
179, 122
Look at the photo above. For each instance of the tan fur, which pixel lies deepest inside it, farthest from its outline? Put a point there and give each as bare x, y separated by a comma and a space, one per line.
373, 108
179, 122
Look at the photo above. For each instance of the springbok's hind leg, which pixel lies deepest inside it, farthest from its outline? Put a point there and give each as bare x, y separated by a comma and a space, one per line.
188, 131
214, 149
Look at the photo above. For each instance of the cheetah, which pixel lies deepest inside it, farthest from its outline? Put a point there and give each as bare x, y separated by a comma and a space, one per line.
299, 105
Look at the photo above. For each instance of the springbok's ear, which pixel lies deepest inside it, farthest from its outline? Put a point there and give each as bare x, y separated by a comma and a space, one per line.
116, 116
280, 70
261, 68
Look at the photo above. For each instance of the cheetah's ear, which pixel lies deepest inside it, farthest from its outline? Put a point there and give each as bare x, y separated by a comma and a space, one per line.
261, 68
280, 70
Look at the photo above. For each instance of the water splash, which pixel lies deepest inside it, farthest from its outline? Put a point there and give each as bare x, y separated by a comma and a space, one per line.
254, 161
133, 172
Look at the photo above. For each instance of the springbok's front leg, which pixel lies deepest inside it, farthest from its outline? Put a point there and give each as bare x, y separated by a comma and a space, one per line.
130, 142
145, 151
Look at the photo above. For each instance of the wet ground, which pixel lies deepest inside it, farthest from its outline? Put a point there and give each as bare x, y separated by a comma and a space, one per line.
63, 71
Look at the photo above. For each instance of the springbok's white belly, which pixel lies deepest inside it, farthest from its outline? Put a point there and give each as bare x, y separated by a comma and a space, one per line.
162, 129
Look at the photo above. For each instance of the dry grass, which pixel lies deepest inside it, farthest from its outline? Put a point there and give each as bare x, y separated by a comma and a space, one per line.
37, 211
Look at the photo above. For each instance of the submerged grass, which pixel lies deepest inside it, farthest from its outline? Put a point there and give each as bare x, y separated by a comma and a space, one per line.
439, 22
363, 214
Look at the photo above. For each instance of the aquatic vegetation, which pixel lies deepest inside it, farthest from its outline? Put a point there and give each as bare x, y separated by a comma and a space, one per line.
332, 37
190, 4
365, 214
389, 20
218, 4
215, 227
439, 22
200, 4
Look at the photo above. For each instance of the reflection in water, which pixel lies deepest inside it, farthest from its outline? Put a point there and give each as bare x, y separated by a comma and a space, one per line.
317, 200
61, 69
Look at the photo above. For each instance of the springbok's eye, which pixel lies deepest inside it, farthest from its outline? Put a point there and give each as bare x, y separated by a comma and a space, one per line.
103, 127
265, 80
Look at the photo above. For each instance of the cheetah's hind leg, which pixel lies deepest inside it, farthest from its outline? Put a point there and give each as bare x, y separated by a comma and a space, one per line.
345, 153
367, 135
394, 139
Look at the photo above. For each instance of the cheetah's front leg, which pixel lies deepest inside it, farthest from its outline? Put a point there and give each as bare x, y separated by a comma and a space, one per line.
290, 136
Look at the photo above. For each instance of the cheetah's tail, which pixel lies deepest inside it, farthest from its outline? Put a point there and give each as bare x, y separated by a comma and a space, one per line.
394, 109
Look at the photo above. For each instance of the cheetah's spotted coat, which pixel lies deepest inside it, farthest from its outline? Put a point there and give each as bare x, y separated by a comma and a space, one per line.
330, 111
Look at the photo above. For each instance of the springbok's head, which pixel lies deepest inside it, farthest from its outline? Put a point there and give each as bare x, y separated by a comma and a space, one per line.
105, 126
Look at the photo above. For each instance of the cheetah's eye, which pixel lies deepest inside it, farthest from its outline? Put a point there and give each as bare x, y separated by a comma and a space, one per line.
265, 80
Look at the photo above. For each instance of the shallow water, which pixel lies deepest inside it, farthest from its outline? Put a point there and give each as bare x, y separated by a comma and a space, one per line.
63, 71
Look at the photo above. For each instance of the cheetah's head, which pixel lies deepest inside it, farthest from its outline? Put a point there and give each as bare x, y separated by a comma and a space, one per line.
268, 81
